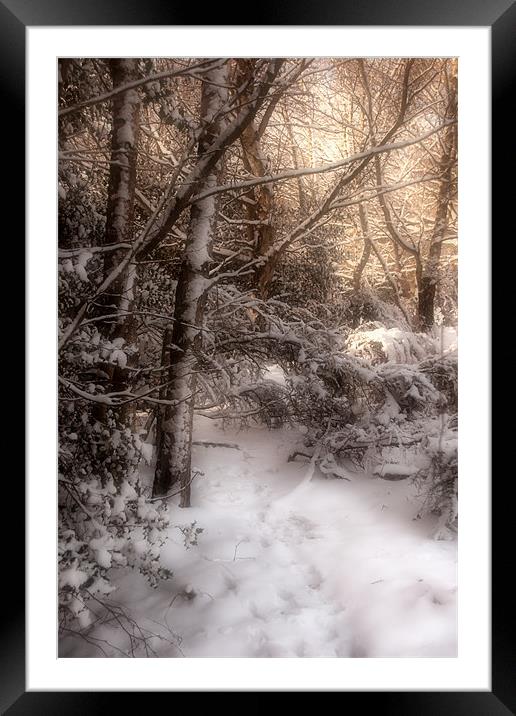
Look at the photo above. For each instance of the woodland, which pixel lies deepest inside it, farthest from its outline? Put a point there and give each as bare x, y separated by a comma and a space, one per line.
257, 317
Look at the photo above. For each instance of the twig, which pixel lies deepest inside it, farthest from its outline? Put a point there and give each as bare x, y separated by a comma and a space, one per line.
207, 443
174, 494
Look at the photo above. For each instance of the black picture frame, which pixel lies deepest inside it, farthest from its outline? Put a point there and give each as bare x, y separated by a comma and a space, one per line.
500, 15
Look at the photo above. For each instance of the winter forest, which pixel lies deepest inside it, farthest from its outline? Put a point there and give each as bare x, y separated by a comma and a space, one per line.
257, 272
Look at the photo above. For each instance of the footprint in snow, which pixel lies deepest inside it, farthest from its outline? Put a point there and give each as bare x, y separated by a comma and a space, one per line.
225, 630
255, 612
230, 583
305, 527
314, 578
292, 605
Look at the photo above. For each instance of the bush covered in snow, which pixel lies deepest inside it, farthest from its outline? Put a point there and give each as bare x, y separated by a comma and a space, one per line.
442, 372
381, 410
379, 344
438, 480
105, 520
365, 307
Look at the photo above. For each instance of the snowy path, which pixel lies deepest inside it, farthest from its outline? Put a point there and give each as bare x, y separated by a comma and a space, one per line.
331, 569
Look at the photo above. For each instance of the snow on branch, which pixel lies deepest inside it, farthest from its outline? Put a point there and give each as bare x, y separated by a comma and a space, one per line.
167, 74
331, 167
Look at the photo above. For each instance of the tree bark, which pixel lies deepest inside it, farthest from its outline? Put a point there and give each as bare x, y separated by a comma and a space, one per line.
366, 252
160, 412
174, 457
261, 232
297, 161
120, 218
402, 286
364, 223
430, 274
122, 176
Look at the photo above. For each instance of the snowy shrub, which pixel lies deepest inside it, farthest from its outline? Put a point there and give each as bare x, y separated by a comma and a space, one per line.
91, 356
105, 520
383, 416
365, 307
312, 272
442, 372
439, 480
82, 215
409, 387
394, 345
102, 528
269, 398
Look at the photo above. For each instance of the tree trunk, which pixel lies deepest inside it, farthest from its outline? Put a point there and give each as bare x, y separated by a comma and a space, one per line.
297, 161
364, 223
402, 286
366, 252
261, 232
174, 457
122, 180
120, 218
160, 412
429, 275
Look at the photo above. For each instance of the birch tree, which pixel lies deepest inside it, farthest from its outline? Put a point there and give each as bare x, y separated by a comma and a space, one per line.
120, 217
174, 458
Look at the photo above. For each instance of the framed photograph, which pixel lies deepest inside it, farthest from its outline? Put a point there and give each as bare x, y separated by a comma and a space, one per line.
254, 253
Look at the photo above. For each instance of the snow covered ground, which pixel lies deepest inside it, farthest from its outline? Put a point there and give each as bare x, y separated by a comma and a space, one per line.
286, 567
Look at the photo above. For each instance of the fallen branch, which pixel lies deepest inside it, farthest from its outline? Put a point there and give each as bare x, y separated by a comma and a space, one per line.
207, 443
291, 458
